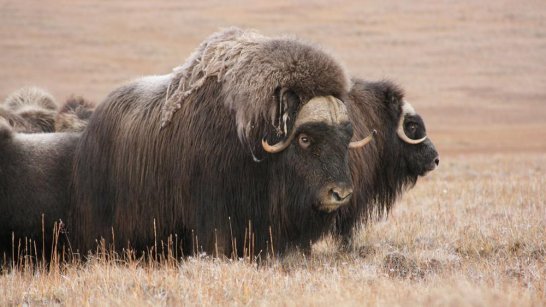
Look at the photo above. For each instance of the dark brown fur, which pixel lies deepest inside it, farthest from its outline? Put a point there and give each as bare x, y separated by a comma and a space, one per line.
34, 180
197, 177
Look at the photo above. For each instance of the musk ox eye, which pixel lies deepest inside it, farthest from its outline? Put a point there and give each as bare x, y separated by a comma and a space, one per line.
304, 140
412, 127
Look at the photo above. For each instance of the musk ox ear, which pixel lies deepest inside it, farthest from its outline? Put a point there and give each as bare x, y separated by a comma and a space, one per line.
284, 113
285, 116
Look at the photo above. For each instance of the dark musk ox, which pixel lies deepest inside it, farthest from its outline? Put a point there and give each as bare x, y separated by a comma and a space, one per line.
35, 171
392, 163
250, 135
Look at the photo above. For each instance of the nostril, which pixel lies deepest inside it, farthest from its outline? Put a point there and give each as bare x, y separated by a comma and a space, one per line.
340, 194
336, 196
437, 161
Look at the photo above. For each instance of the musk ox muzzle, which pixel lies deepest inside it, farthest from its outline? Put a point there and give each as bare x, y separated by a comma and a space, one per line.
334, 196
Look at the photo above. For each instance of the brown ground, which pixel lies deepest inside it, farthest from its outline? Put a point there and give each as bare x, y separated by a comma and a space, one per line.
476, 70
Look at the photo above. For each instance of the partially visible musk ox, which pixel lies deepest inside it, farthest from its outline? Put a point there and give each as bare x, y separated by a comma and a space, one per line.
74, 115
35, 170
33, 110
392, 163
251, 132
36, 106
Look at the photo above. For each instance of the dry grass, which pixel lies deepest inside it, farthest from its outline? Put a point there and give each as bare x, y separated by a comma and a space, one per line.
472, 233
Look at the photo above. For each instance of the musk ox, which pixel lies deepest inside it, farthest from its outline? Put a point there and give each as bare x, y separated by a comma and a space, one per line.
35, 170
247, 141
74, 115
400, 153
36, 106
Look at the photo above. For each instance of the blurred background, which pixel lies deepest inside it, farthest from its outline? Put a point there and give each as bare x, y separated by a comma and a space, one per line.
475, 70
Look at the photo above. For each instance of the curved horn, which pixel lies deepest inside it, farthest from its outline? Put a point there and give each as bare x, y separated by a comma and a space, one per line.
363, 142
407, 109
280, 146
326, 109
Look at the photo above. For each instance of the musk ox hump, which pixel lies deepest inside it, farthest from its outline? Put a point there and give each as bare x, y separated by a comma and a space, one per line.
251, 68
30, 97
35, 106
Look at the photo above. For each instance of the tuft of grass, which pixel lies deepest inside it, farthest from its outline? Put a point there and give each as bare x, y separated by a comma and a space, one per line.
471, 233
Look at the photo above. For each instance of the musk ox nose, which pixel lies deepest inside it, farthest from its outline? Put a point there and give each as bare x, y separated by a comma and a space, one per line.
341, 194
334, 196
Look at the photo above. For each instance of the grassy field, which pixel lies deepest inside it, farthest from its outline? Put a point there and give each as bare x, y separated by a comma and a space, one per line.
471, 233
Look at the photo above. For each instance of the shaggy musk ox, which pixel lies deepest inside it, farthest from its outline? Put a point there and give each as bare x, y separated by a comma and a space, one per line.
400, 153
35, 170
250, 135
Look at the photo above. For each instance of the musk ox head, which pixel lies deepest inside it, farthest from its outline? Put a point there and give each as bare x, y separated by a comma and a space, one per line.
315, 151
419, 152
34, 105
402, 130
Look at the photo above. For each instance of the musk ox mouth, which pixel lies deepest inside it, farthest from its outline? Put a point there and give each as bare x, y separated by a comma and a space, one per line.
430, 167
326, 208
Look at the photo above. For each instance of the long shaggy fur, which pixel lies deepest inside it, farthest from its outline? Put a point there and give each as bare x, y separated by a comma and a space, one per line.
174, 154
35, 171
245, 62
387, 167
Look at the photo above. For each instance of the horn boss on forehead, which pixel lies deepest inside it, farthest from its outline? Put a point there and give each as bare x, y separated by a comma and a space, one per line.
323, 109
407, 109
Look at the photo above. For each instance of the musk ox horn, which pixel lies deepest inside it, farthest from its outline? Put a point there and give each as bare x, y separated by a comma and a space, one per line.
321, 109
363, 142
407, 109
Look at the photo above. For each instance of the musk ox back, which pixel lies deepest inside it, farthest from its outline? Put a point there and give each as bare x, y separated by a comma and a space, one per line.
250, 135
35, 170
35, 106
33, 110
400, 153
